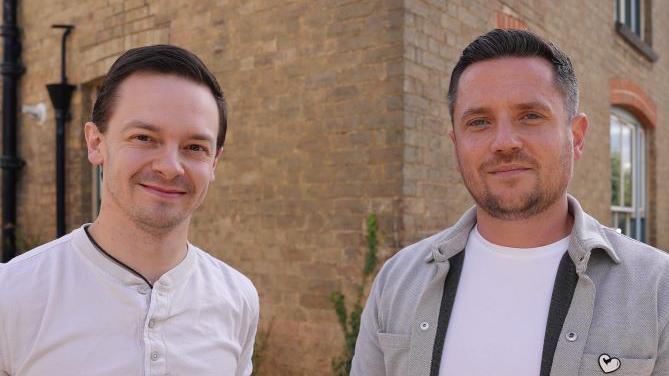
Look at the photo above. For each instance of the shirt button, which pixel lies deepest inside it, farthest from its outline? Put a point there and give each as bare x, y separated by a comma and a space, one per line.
152, 323
571, 336
143, 289
154, 356
424, 325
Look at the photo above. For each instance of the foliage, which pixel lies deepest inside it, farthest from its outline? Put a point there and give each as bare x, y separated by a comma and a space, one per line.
350, 321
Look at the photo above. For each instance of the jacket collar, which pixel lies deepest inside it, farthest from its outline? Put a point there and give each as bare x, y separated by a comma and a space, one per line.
586, 236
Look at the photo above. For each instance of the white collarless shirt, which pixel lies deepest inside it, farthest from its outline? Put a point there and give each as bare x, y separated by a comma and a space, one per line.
68, 309
499, 315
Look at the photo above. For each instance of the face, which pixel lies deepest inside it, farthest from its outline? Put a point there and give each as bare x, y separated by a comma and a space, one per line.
158, 152
514, 142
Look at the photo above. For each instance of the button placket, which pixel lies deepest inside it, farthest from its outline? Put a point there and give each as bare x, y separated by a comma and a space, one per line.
157, 313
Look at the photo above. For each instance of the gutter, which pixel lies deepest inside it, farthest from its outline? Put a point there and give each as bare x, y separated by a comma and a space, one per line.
10, 163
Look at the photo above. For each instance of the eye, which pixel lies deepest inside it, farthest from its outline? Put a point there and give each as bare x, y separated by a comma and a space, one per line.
143, 138
478, 123
532, 116
197, 148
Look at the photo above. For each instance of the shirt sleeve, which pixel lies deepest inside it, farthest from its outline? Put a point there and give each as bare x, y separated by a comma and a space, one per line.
4, 366
368, 357
245, 360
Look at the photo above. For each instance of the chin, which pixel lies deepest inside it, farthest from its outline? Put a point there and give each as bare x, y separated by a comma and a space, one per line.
511, 206
160, 219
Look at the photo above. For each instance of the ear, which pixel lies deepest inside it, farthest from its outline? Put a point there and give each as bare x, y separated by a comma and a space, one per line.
94, 143
579, 127
213, 168
451, 135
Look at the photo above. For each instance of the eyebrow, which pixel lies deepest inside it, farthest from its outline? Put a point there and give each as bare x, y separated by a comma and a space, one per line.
520, 106
152, 128
140, 124
474, 111
533, 106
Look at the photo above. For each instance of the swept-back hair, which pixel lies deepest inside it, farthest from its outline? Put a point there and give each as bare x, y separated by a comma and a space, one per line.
164, 59
500, 43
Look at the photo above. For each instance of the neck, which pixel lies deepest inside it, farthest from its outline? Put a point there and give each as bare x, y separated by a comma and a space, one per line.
150, 253
547, 227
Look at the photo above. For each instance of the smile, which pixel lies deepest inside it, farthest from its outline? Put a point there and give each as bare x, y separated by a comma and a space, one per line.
168, 193
505, 171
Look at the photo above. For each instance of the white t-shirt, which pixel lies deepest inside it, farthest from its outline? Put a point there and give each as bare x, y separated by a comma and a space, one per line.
67, 309
499, 315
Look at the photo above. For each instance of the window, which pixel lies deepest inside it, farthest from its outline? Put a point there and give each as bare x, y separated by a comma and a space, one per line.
97, 190
92, 186
633, 24
628, 13
628, 175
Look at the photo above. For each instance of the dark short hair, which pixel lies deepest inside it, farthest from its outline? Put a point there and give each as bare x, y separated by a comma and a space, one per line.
162, 59
500, 43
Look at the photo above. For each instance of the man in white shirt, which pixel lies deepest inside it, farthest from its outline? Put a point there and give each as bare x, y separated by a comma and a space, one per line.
525, 283
128, 294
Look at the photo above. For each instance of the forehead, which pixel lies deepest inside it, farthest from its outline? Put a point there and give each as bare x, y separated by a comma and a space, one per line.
506, 80
165, 101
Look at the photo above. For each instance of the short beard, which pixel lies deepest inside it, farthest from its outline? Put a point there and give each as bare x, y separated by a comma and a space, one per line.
157, 223
535, 202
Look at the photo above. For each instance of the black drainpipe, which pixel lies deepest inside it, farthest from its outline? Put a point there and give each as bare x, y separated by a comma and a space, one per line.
9, 162
61, 94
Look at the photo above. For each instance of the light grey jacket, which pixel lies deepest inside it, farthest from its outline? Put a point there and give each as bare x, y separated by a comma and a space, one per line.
619, 307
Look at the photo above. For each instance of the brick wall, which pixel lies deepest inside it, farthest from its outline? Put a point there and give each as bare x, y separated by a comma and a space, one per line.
315, 145
337, 109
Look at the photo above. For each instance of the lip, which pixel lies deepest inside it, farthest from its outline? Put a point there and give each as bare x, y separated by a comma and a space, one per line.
168, 193
508, 170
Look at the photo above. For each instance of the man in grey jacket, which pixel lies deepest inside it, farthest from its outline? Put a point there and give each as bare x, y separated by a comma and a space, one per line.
525, 283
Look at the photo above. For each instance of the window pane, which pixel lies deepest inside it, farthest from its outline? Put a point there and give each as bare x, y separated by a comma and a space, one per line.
615, 162
637, 17
642, 170
622, 223
626, 161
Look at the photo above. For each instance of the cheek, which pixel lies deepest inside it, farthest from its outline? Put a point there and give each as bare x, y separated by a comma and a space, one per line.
469, 156
201, 173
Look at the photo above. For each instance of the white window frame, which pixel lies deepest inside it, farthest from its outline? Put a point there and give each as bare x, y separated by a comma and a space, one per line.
637, 210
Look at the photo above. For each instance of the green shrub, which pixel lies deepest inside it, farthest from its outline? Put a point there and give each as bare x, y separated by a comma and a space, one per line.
350, 321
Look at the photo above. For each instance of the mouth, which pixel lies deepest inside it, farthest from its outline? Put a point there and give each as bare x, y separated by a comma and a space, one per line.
508, 170
163, 192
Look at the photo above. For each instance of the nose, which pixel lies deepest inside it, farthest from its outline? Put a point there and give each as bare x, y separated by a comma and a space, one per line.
168, 163
506, 138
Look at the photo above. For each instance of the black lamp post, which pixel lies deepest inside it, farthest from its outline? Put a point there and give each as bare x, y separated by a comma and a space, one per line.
61, 95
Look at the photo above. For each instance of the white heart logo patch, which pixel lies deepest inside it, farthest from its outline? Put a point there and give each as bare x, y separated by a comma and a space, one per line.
608, 364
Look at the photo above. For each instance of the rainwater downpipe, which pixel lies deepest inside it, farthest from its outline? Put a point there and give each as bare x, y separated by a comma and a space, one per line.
10, 162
